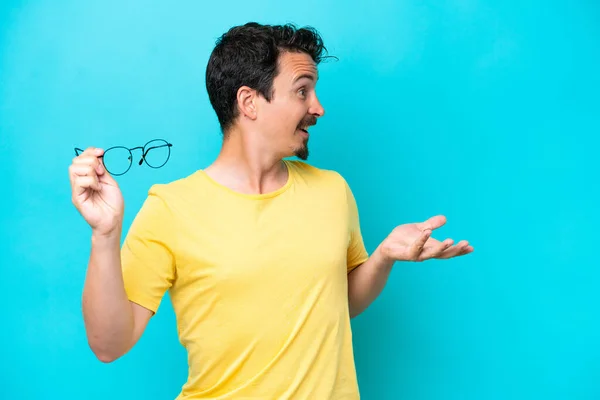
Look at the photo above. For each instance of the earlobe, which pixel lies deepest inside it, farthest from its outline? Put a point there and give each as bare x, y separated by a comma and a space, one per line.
246, 100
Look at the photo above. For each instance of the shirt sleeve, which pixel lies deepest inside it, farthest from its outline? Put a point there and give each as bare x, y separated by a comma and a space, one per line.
357, 253
148, 254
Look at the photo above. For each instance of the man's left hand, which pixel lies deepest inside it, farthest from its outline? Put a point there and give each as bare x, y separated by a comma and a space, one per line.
413, 242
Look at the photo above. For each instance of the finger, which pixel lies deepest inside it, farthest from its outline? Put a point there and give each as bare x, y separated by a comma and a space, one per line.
92, 151
466, 250
435, 249
87, 155
106, 178
82, 169
83, 183
77, 170
417, 247
91, 160
100, 170
432, 223
461, 248
84, 159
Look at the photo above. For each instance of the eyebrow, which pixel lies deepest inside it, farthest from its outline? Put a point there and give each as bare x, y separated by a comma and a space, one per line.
307, 76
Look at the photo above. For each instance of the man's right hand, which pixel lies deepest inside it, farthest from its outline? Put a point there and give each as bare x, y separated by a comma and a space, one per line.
95, 194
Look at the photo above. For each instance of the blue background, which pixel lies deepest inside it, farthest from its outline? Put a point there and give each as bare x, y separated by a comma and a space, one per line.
485, 111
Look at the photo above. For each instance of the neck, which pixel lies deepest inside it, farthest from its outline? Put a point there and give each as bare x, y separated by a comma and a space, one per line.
246, 166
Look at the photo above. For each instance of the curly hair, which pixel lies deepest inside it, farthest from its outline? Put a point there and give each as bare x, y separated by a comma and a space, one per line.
248, 55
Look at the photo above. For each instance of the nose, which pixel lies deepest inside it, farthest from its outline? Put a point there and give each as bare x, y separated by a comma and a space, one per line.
316, 108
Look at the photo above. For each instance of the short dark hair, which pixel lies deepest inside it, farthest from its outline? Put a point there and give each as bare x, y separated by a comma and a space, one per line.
248, 55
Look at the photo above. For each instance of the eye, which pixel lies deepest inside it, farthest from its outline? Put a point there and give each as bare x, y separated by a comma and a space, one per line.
302, 92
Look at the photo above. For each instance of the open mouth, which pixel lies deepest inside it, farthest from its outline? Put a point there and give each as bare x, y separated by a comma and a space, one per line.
303, 130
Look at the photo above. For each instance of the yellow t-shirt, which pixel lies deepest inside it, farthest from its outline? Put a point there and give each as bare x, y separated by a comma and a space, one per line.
258, 283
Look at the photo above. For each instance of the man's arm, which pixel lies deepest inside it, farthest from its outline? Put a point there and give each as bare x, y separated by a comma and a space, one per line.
366, 282
113, 323
409, 242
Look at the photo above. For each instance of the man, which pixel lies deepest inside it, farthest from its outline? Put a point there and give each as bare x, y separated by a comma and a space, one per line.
262, 256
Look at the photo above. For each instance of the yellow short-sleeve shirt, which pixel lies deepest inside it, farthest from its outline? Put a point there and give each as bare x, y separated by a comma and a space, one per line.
258, 283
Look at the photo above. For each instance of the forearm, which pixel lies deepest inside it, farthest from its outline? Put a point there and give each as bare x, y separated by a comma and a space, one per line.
107, 312
367, 281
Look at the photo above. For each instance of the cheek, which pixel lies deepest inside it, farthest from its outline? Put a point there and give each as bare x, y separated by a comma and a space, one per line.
284, 116
273, 119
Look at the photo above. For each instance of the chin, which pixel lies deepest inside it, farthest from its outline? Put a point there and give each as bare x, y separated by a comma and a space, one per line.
302, 152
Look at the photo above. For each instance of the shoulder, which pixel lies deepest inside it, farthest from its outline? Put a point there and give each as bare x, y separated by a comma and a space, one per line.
180, 188
316, 173
332, 179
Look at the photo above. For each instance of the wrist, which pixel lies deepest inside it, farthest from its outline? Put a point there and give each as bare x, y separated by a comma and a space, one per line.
106, 237
381, 254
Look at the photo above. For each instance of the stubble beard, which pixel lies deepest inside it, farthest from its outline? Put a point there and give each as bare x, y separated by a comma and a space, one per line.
302, 152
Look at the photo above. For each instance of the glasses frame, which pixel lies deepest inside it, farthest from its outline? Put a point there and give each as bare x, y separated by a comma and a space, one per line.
145, 151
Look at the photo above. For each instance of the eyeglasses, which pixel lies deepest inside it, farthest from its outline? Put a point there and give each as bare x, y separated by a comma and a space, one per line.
118, 159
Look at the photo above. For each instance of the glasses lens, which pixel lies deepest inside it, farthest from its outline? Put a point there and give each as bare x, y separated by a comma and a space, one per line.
157, 153
117, 160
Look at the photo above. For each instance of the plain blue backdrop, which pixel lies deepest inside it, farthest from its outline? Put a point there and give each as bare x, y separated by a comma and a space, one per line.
485, 111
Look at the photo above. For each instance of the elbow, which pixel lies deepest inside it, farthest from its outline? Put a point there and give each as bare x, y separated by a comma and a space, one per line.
104, 355
106, 358
354, 310
356, 304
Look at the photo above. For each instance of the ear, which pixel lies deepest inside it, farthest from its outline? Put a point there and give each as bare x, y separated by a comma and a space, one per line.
246, 102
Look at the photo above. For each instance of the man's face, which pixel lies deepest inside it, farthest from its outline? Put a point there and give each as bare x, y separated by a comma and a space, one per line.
294, 106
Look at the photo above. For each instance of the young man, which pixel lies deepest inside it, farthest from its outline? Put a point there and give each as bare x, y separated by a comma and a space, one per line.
262, 256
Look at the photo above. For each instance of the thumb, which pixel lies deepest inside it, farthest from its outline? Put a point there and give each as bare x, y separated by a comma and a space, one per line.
105, 177
417, 247
432, 223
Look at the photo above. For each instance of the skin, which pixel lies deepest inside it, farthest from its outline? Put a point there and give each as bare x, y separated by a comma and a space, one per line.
113, 323
250, 161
